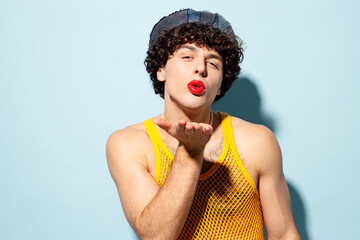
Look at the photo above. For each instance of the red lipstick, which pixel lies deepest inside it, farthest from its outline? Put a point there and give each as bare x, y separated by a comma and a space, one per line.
196, 87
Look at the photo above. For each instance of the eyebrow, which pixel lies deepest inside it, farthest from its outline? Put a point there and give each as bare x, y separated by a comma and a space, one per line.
211, 55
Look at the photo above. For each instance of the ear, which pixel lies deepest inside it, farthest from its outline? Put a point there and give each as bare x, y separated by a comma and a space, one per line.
161, 74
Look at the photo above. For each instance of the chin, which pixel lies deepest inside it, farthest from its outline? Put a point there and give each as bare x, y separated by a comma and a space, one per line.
195, 103
191, 101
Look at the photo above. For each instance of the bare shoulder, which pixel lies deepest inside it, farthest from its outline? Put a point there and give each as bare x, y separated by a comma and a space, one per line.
127, 136
252, 131
257, 143
128, 146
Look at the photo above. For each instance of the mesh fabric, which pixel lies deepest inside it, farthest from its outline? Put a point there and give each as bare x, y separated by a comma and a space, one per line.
226, 203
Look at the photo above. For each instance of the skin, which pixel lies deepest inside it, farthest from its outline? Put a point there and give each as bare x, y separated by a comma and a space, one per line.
195, 145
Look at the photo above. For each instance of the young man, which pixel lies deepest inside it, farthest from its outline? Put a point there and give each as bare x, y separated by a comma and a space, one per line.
191, 173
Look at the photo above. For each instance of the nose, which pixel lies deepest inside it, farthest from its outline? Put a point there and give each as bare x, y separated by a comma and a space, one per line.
200, 68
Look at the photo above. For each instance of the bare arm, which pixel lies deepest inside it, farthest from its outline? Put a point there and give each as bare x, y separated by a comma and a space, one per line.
153, 212
274, 194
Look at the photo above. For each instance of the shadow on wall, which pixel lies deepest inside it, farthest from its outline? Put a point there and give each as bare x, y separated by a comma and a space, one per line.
298, 209
244, 101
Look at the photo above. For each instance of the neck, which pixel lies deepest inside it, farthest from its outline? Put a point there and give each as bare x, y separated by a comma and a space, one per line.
174, 114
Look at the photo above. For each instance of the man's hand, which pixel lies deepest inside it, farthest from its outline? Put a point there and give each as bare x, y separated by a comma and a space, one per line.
193, 136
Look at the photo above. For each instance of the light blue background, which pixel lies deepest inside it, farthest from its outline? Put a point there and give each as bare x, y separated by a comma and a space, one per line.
71, 72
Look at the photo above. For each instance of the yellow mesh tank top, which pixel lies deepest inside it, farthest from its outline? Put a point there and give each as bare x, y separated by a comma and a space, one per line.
227, 203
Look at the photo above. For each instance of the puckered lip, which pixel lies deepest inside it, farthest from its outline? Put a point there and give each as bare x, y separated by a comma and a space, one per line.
196, 87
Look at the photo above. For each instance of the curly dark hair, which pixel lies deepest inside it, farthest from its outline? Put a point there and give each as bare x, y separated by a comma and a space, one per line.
229, 47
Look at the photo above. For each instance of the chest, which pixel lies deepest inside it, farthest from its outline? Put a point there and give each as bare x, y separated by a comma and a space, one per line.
214, 150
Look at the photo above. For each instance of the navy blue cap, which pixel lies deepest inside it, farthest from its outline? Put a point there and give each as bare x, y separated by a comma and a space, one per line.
190, 15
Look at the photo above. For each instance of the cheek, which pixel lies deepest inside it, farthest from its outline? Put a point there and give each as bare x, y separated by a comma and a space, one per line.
219, 81
178, 74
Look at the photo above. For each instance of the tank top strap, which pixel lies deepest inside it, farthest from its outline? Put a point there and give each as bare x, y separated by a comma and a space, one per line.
225, 123
151, 130
229, 138
158, 145
228, 134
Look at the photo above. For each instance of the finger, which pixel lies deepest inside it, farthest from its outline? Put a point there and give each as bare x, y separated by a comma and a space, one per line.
189, 129
197, 129
180, 126
167, 126
207, 129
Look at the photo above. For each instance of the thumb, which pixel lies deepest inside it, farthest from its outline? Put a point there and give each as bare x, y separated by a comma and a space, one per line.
167, 126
